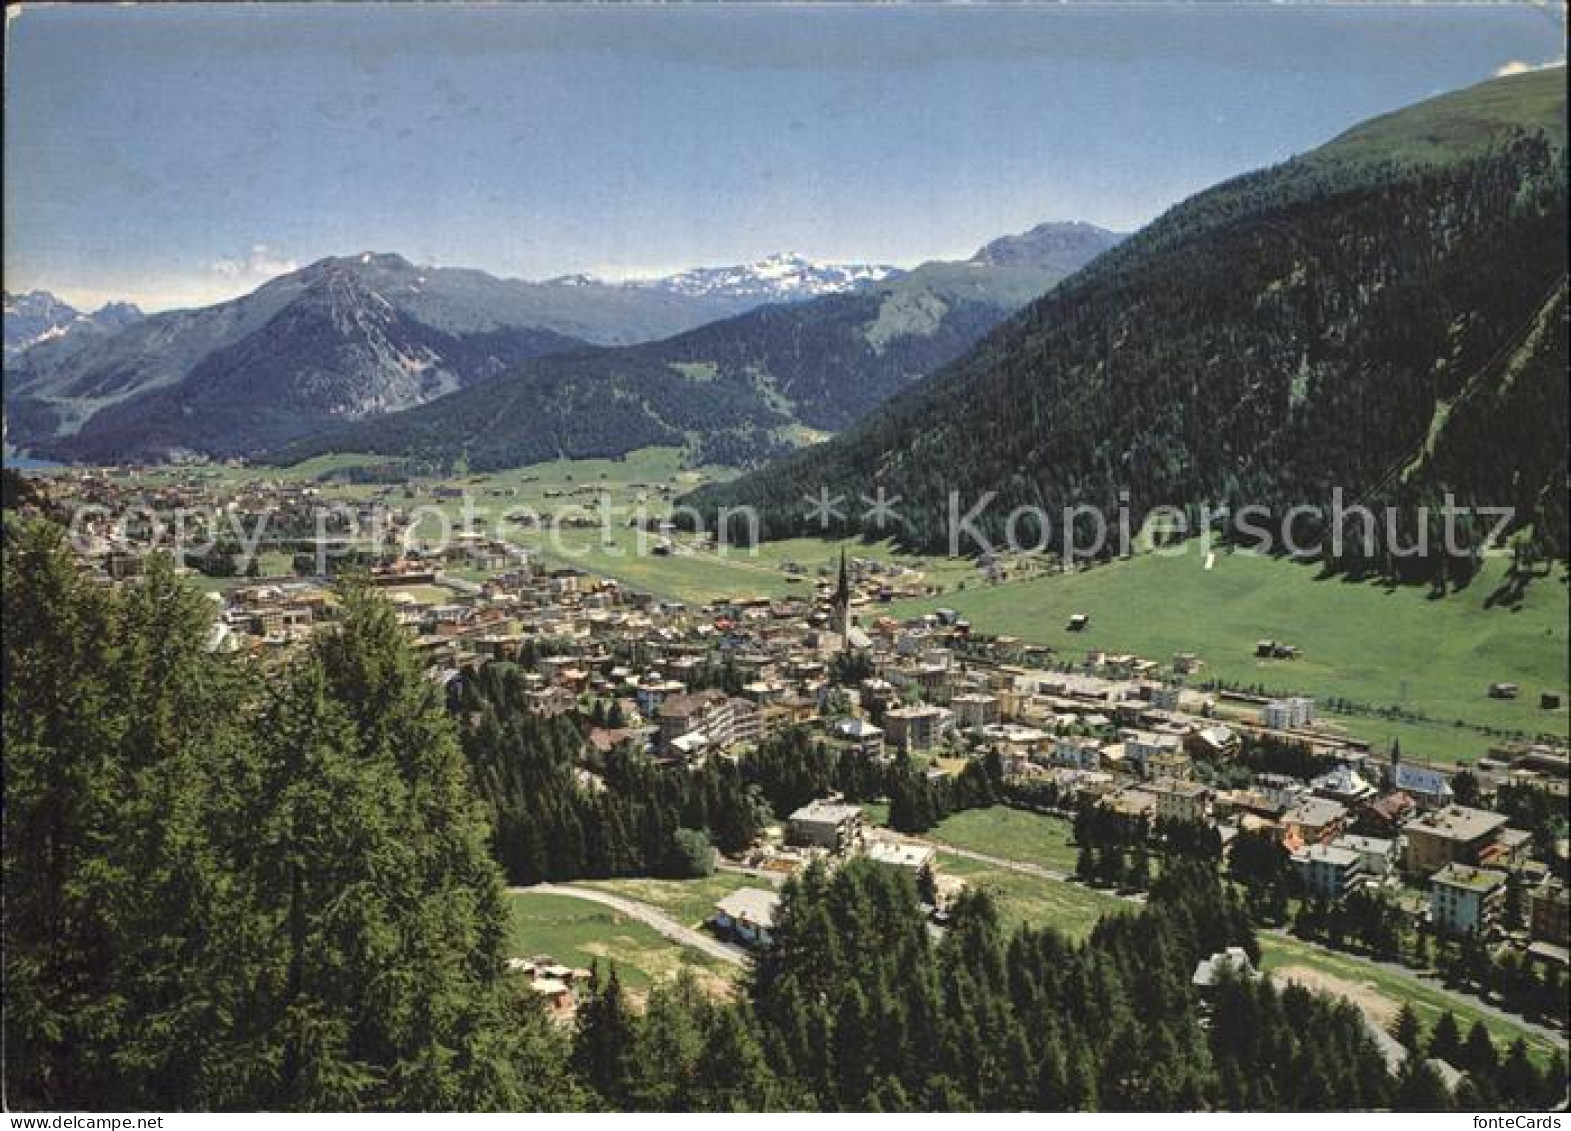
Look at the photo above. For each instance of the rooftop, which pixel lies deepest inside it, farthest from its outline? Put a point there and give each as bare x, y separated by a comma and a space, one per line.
1315, 811
1481, 880
829, 812
1364, 844
1457, 822
752, 905
1232, 960
1327, 854
856, 728
1420, 779
901, 853
1177, 787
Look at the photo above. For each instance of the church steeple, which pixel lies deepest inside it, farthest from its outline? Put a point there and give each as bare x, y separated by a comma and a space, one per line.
840, 605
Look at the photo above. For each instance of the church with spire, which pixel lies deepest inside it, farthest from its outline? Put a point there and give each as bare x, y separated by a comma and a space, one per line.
840, 606
839, 633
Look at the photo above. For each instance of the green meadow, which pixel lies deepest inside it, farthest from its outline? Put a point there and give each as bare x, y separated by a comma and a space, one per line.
1011, 834
1389, 650
576, 932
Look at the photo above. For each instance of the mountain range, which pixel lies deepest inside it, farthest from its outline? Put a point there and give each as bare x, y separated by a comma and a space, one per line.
738, 391
778, 278
38, 316
67, 372
1385, 315
353, 338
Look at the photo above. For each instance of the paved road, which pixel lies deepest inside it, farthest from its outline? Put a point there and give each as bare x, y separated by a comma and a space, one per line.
650, 916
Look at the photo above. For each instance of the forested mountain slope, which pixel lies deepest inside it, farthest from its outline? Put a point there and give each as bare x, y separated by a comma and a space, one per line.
338, 351
739, 390
1395, 328
315, 332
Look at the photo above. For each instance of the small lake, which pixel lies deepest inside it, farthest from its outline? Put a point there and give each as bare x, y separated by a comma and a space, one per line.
28, 463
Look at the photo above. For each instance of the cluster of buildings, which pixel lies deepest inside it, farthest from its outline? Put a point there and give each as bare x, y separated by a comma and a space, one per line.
556, 985
688, 682
830, 830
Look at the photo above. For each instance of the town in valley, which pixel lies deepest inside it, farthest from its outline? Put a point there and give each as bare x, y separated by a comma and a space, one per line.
929, 558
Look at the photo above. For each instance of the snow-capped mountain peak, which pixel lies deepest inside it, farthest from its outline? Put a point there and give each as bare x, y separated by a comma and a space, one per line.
38, 316
783, 277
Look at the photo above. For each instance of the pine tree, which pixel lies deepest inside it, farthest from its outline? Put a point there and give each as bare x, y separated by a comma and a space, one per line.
121, 743
1406, 1031
1445, 1039
665, 1063
238, 902
733, 1074
59, 798
1421, 1089
604, 1040
1519, 1081
1552, 1086
1478, 1053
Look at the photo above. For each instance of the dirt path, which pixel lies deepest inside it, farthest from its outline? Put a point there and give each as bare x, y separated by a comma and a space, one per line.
996, 861
1377, 1006
1472, 1001
653, 917
1026, 868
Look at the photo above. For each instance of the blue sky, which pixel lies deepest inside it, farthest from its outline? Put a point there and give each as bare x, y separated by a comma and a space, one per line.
179, 155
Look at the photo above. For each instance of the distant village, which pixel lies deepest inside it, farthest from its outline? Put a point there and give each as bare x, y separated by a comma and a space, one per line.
1134, 736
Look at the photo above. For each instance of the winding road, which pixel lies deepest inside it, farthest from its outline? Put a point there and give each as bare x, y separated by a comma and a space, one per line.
652, 917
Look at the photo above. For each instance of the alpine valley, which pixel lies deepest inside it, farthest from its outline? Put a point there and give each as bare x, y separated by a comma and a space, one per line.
1075, 670
341, 339
741, 390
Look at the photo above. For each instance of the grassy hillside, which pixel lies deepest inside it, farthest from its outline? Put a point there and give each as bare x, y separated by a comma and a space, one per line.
1380, 646
576, 932
1459, 125
1011, 834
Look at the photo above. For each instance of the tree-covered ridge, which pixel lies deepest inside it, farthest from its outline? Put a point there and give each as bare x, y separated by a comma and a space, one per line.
733, 389
1385, 328
859, 1008
226, 891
